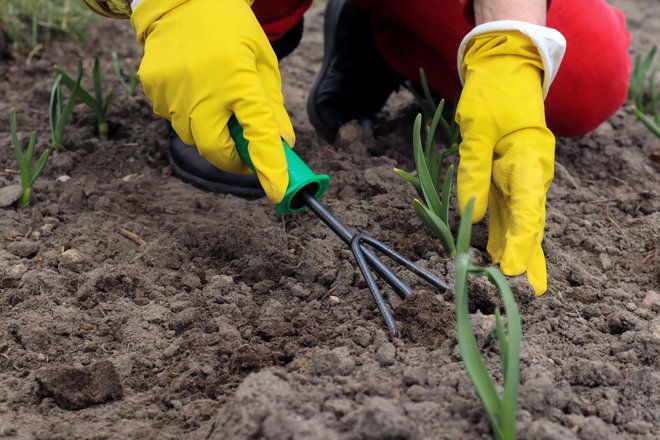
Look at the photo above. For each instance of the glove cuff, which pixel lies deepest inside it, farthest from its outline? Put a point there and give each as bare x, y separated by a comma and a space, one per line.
550, 43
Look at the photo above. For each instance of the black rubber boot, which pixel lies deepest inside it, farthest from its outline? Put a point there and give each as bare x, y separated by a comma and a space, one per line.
355, 80
190, 167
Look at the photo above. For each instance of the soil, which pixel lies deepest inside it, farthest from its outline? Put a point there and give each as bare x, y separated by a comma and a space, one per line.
134, 305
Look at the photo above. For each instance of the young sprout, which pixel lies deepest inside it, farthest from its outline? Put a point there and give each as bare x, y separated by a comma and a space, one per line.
29, 173
501, 411
59, 113
32, 23
432, 206
99, 105
646, 109
132, 83
427, 103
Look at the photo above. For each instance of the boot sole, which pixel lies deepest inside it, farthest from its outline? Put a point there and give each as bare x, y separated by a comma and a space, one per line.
247, 186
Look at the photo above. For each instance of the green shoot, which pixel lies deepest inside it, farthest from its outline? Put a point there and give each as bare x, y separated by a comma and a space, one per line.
426, 101
424, 98
29, 173
33, 23
642, 91
59, 113
432, 206
501, 411
97, 103
131, 85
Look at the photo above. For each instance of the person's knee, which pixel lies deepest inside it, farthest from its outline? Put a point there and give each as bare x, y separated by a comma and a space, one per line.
592, 83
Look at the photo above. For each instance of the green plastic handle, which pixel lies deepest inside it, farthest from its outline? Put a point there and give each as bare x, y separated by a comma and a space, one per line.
301, 177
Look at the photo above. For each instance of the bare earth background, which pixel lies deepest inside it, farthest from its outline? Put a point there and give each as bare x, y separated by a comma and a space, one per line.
219, 324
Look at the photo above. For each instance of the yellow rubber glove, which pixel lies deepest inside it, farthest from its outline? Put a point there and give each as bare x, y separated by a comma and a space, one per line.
507, 153
205, 60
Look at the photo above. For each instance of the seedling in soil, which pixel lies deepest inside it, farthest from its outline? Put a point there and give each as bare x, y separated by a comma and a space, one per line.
429, 108
432, 206
433, 210
646, 100
132, 83
59, 113
501, 411
29, 174
99, 105
31, 23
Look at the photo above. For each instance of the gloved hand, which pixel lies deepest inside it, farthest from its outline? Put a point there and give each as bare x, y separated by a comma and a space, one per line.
205, 60
507, 153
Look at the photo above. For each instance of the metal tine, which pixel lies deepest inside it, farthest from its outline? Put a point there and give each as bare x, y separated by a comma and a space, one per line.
405, 262
399, 286
367, 260
357, 246
358, 252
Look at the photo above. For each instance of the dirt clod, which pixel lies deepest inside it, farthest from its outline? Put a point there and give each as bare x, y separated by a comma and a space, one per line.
76, 388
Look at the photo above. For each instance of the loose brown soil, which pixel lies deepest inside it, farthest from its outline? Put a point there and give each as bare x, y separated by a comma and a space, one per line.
134, 305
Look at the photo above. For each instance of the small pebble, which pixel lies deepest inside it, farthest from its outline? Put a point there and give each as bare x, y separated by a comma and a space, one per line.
386, 354
334, 299
47, 229
71, 256
63, 178
651, 298
631, 306
16, 271
171, 350
9, 195
361, 336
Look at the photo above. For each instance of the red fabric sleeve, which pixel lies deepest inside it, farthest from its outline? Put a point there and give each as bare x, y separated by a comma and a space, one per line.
277, 17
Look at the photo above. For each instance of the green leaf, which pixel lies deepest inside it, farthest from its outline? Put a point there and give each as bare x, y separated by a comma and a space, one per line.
426, 88
18, 149
653, 105
409, 85
413, 180
30, 148
512, 378
430, 134
428, 188
120, 77
446, 194
39, 167
64, 114
55, 105
470, 354
106, 107
650, 123
449, 152
98, 81
129, 87
465, 228
507, 416
83, 94
436, 226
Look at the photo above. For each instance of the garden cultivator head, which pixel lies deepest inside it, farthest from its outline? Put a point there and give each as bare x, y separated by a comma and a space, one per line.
304, 190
